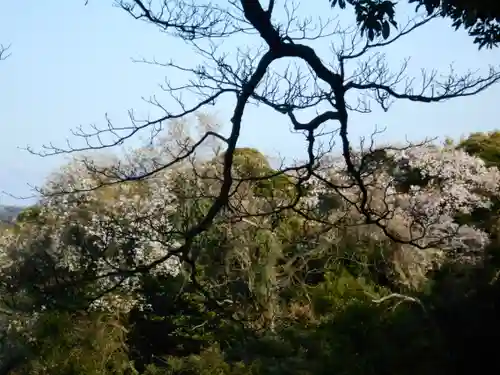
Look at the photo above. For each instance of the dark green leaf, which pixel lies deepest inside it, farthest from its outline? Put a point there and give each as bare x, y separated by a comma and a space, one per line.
385, 30
371, 34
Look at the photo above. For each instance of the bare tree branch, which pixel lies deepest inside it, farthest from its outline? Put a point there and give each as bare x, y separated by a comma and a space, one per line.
4, 52
258, 76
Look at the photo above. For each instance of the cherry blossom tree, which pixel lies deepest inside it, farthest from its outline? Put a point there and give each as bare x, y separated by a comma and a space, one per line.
274, 232
359, 75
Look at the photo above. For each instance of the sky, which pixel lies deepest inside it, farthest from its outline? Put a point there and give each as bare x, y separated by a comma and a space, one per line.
72, 64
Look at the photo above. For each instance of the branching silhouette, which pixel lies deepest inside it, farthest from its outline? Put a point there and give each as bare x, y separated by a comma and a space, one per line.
4, 52
251, 76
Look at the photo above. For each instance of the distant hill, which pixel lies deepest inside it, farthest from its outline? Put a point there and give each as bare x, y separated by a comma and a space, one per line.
9, 213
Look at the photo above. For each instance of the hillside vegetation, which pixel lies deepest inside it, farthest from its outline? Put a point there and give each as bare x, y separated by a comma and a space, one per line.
90, 284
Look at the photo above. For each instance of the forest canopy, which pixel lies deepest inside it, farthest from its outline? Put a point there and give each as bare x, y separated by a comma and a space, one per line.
91, 285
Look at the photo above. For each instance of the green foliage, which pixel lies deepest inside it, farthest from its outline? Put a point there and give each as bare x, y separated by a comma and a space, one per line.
77, 344
479, 18
302, 300
29, 214
268, 183
172, 322
373, 17
209, 362
484, 145
487, 147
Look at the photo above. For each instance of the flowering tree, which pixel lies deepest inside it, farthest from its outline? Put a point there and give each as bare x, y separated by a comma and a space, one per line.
275, 232
257, 76
266, 255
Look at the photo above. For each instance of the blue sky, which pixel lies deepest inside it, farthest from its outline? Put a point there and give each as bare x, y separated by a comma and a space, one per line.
71, 64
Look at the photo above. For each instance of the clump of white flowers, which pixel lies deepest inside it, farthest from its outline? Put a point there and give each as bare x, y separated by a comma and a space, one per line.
118, 227
455, 183
418, 194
